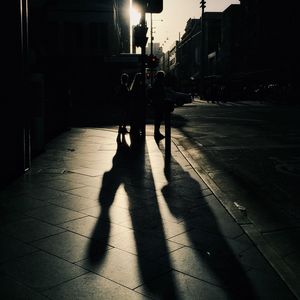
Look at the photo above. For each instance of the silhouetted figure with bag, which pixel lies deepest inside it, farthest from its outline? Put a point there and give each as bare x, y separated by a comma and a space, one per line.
157, 95
123, 99
138, 107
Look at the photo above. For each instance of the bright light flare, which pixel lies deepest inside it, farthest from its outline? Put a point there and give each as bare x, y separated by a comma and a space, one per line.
135, 16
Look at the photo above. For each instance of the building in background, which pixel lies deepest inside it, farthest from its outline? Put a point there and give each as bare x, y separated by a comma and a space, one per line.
188, 57
188, 50
268, 52
229, 50
268, 33
156, 49
246, 47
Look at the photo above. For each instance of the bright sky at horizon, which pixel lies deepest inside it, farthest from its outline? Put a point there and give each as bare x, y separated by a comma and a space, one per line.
175, 14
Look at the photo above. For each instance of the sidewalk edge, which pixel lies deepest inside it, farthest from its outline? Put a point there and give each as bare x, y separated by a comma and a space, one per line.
280, 267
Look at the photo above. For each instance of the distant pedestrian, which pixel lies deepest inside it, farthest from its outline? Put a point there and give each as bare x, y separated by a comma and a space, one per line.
138, 107
123, 99
157, 95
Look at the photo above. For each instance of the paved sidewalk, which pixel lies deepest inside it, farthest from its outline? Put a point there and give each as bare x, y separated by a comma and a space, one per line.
95, 218
233, 103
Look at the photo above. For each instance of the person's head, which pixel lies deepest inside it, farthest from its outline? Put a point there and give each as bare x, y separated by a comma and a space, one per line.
124, 78
160, 75
138, 77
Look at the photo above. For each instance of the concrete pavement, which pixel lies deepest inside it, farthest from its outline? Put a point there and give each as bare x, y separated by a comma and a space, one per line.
99, 218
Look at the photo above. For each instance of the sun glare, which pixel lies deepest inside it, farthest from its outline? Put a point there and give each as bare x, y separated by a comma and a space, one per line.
134, 16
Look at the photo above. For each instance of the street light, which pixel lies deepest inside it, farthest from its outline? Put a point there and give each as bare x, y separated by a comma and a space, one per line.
151, 44
202, 5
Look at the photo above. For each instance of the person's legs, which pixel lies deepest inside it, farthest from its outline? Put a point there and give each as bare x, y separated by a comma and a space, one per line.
123, 121
157, 123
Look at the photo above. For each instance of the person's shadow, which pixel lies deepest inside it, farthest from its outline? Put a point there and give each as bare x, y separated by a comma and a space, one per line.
131, 168
111, 181
214, 260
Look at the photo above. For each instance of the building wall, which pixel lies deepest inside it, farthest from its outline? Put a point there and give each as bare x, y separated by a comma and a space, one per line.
85, 27
253, 41
156, 49
14, 114
189, 51
189, 57
42, 49
268, 32
230, 48
70, 42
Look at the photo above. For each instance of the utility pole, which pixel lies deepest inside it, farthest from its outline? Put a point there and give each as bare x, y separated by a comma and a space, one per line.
151, 48
143, 71
151, 35
202, 5
140, 37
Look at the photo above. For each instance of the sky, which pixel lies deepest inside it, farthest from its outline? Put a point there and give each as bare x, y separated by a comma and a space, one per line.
175, 14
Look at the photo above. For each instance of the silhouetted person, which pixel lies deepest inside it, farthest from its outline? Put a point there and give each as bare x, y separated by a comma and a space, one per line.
123, 99
138, 107
158, 96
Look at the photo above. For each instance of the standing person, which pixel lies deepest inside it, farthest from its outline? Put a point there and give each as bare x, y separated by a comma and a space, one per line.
123, 99
158, 96
138, 107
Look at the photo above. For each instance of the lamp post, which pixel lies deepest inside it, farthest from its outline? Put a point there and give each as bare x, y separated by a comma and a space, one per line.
151, 35
143, 53
140, 40
202, 5
151, 45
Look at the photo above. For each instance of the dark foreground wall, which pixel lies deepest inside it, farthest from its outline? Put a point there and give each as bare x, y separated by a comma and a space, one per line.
13, 101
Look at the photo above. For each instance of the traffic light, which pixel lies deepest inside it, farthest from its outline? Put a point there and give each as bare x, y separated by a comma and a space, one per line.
150, 6
139, 4
139, 35
154, 6
152, 61
202, 4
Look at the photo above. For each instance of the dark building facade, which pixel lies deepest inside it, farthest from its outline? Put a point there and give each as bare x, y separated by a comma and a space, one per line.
71, 41
188, 52
268, 38
230, 50
251, 44
56, 56
190, 63
14, 112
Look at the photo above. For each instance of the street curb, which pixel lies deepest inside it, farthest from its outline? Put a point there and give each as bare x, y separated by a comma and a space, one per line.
277, 263
274, 259
240, 218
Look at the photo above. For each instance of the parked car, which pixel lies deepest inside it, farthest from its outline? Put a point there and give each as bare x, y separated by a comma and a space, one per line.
178, 98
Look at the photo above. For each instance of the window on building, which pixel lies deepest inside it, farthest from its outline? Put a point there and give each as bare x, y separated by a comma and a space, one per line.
197, 55
73, 36
98, 36
52, 36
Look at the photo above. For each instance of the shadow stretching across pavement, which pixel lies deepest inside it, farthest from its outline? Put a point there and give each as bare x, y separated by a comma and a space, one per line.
210, 257
207, 254
131, 169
